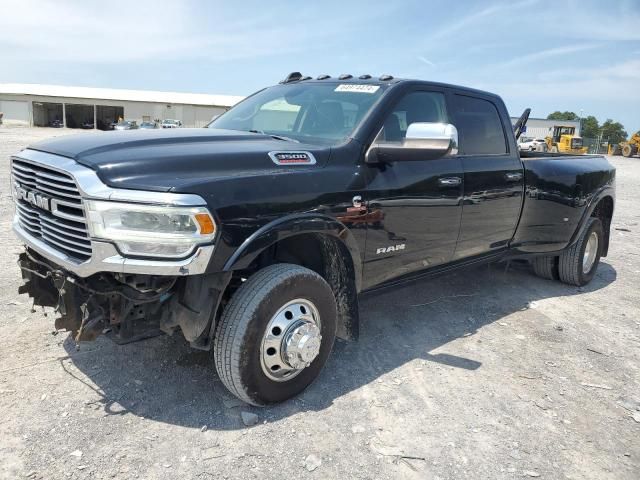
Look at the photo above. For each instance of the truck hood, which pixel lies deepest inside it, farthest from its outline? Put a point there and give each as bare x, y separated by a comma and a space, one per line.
177, 159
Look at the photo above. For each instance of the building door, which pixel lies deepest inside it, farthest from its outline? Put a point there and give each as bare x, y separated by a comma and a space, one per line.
15, 112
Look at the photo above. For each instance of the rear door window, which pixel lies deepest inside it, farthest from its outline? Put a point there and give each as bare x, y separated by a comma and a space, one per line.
479, 127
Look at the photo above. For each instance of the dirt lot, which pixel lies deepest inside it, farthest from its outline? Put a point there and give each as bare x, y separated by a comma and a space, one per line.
490, 373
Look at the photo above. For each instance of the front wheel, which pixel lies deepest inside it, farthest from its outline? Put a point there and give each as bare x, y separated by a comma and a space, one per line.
578, 264
275, 334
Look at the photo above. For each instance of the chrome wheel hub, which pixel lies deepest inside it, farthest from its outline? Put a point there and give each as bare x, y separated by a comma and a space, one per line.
302, 345
291, 340
590, 253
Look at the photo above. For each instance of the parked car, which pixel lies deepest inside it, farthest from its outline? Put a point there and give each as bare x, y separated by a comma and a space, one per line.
87, 124
56, 123
126, 125
532, 144
258, 241
168, 123
148, 125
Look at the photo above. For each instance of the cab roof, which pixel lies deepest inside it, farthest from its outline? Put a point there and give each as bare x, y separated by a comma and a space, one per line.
366, 79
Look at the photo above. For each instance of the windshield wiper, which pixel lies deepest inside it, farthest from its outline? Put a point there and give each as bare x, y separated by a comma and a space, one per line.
277, 137
282, 137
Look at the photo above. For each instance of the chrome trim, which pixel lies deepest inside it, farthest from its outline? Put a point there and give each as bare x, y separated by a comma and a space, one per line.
104, 255
91, 187
291, 340
38, 191
590, 253
62, 244
432, 136
436, 138
106, 258
54, 223
274, 157
54, 202
55, 227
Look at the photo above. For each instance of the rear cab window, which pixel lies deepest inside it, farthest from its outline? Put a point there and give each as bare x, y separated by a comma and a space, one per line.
480, 130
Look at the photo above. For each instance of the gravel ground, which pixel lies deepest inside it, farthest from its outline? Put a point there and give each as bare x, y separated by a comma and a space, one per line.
490, 373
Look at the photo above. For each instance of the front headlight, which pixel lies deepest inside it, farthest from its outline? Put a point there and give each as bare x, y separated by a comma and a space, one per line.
150, 230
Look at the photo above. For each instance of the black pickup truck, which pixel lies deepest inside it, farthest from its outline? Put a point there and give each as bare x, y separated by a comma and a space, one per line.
255, 236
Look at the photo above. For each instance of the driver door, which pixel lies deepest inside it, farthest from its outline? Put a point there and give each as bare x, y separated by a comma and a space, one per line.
418, 203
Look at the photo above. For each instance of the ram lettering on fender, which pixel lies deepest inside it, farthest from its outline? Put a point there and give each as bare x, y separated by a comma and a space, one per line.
390, 249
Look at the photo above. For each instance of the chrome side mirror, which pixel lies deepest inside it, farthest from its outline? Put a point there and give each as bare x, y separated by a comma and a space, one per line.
436, 137
423, 141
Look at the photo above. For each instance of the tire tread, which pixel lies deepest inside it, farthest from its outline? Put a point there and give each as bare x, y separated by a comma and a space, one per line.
570, 262
545, 267
235, 321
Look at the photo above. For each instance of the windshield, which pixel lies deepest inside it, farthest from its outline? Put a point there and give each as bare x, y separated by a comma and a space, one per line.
313, 113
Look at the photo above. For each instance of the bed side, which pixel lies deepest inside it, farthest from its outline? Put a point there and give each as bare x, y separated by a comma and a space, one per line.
561, 192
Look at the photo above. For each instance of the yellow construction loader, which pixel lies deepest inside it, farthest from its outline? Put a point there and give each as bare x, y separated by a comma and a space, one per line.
564, 139
627, 149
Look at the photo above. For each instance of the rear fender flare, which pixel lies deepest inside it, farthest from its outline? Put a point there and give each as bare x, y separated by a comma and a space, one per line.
588, 212
291, 226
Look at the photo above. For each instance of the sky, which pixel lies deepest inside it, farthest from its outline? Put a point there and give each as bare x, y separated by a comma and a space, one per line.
581, 56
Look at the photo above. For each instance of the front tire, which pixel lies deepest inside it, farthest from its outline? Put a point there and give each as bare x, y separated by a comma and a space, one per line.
578, 264
275, 334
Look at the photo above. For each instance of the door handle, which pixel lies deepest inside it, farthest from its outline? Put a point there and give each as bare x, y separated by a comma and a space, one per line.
449, 181
513, 176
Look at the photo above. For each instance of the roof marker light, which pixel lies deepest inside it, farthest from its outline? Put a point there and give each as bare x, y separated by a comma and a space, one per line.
292, 77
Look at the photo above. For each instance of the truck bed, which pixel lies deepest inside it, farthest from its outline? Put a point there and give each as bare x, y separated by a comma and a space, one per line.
559, 189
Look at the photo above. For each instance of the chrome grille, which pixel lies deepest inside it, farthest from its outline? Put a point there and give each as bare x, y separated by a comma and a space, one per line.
62, 225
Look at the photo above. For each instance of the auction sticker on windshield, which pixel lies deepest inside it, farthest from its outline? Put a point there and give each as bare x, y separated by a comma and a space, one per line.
352, 87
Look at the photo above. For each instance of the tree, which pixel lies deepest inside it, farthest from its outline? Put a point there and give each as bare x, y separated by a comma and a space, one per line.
613, 131
558, 115
590, 127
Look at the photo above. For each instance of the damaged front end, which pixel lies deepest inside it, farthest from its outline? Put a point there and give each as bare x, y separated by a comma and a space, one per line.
126, 307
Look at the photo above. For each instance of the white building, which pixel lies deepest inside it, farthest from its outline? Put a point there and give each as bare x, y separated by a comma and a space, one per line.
541, 127
50, 105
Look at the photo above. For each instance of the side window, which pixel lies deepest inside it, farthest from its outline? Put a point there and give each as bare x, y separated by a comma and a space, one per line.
413, 107
479, 127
